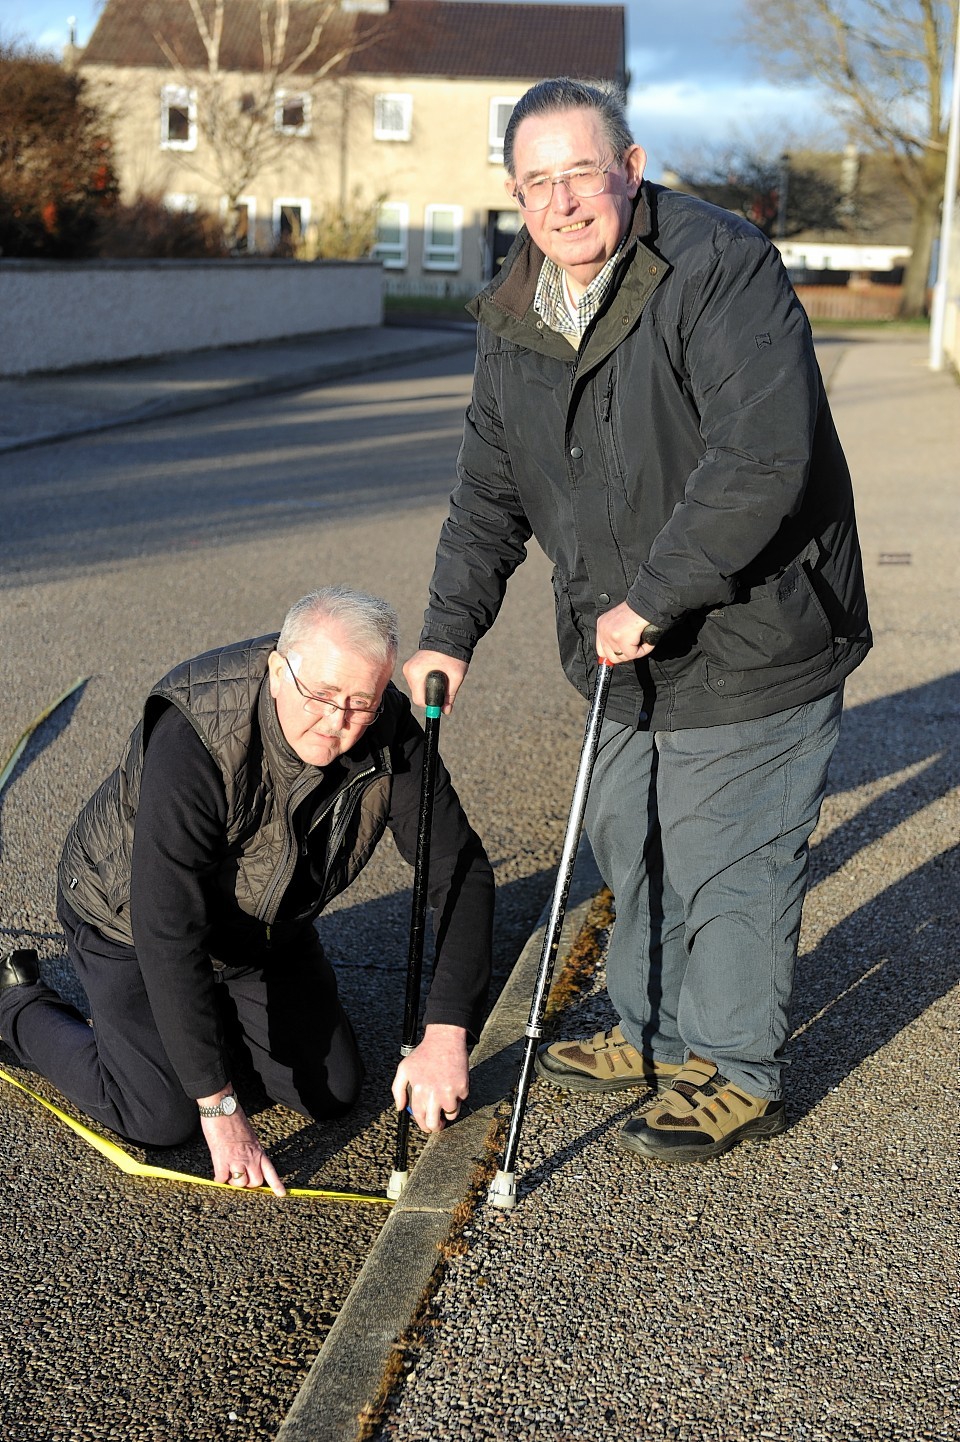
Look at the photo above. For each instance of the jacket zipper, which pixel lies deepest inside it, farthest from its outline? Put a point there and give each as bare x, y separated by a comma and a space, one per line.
284, 871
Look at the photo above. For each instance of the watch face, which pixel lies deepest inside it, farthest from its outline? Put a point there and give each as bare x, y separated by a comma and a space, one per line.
228, 1106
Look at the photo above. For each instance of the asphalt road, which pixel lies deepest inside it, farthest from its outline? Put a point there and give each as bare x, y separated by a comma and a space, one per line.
140, 1309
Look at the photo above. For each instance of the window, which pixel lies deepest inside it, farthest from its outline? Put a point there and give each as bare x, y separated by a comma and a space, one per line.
292, 113
391, 246
178, 118
392, 117
501, 108
442, 232
180, 202
291, 216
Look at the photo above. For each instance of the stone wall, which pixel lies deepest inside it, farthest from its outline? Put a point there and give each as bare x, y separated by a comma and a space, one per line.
60, 315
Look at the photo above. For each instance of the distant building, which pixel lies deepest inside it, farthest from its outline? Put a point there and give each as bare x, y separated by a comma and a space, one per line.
408, 122
872, 234
866, 235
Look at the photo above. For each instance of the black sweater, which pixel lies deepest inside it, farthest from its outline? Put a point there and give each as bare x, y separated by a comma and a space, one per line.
180, 921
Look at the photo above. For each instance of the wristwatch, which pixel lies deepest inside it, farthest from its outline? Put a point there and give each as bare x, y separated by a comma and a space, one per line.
225, 1107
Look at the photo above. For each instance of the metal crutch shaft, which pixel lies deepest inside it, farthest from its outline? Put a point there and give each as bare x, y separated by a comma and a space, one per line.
503, 1189
435, 694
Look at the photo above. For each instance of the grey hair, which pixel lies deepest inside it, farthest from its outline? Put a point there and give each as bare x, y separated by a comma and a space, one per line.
548, 97
369, 623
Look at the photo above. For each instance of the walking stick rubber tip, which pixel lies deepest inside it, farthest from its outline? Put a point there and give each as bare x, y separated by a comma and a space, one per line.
503, 1191
396, 1184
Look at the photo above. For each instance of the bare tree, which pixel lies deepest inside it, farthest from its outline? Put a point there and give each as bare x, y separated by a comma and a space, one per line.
245, 129
883, 65
780, 194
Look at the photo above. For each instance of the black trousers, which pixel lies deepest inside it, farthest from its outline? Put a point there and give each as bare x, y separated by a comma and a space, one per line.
286, 1015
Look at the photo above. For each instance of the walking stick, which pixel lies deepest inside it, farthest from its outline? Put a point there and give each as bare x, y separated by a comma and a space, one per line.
503, 1188
436, 690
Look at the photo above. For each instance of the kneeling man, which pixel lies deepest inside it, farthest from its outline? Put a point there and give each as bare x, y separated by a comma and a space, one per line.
254, 789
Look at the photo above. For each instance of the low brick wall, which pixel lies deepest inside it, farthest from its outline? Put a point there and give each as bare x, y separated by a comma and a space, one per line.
58, 316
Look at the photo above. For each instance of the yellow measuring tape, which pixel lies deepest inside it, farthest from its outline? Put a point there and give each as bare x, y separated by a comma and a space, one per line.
133, 1168
110, 1150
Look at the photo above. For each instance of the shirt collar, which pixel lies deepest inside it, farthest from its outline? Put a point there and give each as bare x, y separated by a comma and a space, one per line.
551, 306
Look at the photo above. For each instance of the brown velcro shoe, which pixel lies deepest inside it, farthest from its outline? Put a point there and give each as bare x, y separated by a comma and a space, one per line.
700, 1116
605, 1063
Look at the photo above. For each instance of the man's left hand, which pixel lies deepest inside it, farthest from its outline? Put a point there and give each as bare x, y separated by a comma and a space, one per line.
434, 1078
618, 636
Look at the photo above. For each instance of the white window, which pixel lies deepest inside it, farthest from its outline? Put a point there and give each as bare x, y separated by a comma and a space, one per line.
292, 112
442, 234
178, 118
180, 201
392, 117
501, 108
392, 227
291, 216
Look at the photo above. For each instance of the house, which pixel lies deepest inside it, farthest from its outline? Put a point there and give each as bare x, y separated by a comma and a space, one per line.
833, 215
842, 221
288, 117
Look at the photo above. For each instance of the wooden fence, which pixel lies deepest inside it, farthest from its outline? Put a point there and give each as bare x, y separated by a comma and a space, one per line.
847, 302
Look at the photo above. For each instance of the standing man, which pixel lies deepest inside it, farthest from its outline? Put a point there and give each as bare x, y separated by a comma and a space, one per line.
253, 791
647, 404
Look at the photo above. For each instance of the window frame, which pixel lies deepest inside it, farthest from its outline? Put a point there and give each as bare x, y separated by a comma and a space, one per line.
280, 97
301, 202
186, 98
450, 257
405, 100
494, 137
400, 260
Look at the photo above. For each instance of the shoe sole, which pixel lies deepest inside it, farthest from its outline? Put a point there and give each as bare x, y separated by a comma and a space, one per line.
760, 1130
574, 1082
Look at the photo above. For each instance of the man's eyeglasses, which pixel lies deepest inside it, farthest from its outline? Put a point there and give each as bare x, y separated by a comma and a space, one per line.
325, 705
582, 181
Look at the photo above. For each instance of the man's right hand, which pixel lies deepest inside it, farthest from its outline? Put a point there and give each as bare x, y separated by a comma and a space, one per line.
418, 668
237, 1156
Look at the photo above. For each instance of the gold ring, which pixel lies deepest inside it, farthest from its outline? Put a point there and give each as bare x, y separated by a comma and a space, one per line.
235, 1176
618, 653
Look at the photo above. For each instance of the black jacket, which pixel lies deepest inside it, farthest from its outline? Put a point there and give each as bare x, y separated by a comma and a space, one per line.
684, 460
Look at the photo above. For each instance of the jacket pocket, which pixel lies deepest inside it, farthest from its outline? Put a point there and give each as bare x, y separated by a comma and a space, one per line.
573, 649
777, 626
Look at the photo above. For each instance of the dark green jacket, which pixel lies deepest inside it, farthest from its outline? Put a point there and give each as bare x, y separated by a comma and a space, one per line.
684, 460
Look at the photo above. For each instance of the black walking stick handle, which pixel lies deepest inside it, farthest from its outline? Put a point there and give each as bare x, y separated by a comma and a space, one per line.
435, 692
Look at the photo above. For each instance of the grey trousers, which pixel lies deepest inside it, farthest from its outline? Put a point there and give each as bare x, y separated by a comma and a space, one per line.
702, 836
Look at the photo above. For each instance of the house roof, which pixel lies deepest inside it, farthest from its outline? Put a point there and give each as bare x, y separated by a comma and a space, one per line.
428, 38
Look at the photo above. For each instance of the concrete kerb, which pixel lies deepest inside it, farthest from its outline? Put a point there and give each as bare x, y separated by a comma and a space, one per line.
208, 397
347, 1374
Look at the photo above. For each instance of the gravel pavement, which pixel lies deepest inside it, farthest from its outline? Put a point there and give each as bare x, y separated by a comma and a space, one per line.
803, 1290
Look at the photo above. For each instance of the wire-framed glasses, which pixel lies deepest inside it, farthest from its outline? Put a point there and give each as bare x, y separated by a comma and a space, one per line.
581, 181
327, 706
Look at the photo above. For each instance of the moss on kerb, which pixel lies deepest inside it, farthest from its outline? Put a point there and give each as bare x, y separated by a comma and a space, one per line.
580, 964
576, 974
